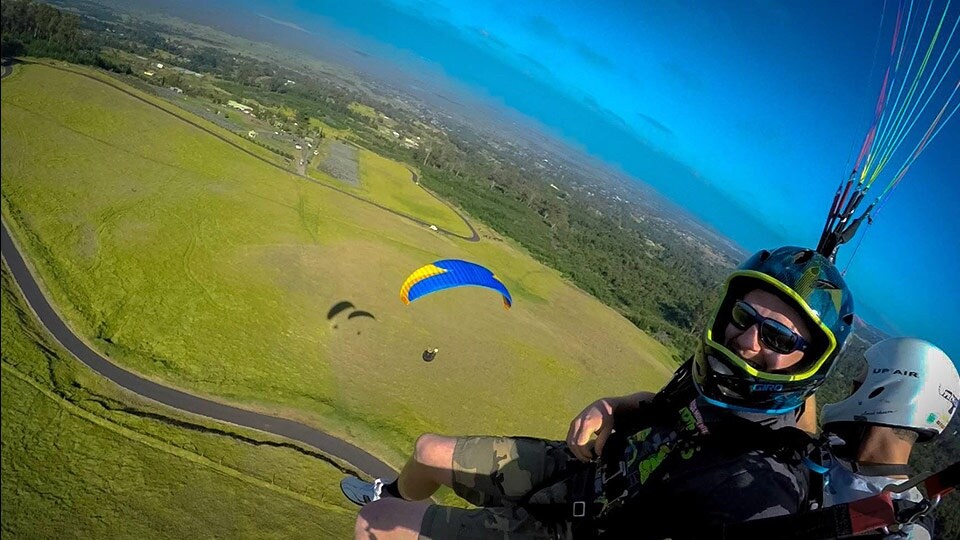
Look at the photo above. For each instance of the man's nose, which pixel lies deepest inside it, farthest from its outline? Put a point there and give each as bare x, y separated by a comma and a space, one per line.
749, 339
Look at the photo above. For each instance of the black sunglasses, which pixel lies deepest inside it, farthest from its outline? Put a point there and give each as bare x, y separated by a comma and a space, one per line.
774, 334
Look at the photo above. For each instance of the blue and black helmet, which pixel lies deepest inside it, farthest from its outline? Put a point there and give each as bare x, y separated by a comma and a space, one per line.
813, 286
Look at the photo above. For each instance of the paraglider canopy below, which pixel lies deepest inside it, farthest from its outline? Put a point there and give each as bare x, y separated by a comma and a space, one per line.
447, 274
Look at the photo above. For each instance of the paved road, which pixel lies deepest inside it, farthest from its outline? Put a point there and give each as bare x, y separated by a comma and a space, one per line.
171, 397
177, 399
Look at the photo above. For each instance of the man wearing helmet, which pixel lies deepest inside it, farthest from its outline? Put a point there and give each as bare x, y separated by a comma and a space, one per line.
717, 442
907, 393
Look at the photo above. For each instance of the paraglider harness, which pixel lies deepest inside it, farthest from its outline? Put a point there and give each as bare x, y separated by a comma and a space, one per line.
879, 514
599, 490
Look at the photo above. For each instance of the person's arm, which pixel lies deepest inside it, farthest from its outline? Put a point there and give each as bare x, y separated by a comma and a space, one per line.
630, 403
598, 420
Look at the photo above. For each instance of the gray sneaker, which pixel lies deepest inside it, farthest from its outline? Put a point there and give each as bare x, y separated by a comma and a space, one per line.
360, 492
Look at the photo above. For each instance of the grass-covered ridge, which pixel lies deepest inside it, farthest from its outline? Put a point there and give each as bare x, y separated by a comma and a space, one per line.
82, 459
390, 184
194, 263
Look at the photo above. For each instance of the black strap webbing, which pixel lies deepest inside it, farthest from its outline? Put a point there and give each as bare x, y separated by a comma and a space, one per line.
881, 469
840, 521
849, 519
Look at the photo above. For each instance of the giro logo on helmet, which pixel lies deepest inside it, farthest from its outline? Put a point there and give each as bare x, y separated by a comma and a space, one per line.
897, 372
767, 387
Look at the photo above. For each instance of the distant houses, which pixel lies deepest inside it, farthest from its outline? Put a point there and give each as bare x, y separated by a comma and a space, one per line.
252, 134
246, 109
187, 71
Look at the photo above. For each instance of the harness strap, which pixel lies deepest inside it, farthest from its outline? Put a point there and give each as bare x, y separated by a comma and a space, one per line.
937, 484
881, 469
838, 521
843, 520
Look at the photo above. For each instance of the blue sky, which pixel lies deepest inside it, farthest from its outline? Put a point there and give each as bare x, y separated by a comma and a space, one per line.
748, 113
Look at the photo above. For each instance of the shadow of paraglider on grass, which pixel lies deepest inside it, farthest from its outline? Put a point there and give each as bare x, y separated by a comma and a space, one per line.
344, 305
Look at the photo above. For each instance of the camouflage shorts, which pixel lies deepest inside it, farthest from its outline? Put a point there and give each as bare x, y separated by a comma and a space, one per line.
496, 473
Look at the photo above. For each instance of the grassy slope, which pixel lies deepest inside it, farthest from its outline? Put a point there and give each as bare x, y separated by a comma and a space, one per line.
236, 136
195, 264
390, 184
73, 466
364, 110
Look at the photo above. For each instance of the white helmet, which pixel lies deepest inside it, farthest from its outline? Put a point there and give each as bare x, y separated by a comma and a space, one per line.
910, 383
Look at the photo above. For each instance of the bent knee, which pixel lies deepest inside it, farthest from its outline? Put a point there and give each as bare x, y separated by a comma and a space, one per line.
370, 520
389, 518
361, 528
434, 450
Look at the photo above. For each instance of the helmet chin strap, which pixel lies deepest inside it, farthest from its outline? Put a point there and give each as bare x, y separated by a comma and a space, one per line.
852, 435
881, 469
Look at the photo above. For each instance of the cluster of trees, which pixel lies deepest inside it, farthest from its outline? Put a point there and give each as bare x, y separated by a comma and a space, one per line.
246, 77
34, 29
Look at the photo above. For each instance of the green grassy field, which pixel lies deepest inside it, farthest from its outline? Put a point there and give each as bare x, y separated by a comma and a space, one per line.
364, 110
195, 264
82, 459
391, 184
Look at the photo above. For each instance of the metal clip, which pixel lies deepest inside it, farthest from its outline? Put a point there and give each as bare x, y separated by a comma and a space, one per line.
579, 509
924, 507
908, 484
913, 515
622, 471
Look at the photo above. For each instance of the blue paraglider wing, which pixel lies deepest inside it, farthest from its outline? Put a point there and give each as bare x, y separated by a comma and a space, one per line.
447, 274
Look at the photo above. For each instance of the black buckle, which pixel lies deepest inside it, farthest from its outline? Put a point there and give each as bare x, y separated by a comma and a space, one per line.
579, 509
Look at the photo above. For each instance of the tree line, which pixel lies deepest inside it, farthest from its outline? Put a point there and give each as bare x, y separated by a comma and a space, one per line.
34, 29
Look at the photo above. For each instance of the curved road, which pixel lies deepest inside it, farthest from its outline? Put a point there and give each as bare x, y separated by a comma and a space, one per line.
178, 399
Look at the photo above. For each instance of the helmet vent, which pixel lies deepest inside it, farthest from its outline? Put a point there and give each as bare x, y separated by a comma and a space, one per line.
875, 393
803, 257
824, 284
764, 255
